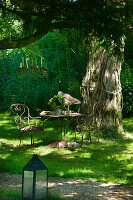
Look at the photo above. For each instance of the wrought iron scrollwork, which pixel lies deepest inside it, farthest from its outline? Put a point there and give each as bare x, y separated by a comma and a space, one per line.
20, 114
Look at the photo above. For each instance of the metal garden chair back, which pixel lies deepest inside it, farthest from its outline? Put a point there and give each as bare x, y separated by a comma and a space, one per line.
90, 123
22, 118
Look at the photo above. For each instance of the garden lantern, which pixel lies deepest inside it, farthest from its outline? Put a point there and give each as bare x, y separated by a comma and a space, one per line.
35, 180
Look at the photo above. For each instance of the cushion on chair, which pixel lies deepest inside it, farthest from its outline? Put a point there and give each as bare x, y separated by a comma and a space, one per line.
32, 129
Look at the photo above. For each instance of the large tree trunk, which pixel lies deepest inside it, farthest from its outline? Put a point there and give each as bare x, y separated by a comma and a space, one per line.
102, 84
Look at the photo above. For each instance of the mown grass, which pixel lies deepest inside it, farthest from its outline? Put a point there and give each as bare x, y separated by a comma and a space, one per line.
106, 161
128, 125
8, 193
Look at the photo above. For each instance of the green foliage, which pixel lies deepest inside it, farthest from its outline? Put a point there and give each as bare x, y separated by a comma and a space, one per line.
127, 90
128, 99
127, 78
112, 19
57, 102
33, 90
62, 52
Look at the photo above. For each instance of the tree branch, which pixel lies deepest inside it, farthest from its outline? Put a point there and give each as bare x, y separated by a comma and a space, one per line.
11, 10
22, 13
12, 44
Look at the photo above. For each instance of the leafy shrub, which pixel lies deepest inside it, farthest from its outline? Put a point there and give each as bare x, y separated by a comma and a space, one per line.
35, 91
127, 90
57, 102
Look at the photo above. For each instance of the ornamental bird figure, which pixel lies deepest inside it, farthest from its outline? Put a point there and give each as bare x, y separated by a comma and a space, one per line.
69, 100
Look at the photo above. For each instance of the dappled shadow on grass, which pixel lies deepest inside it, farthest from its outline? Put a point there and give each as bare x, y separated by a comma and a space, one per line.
102, 162
108, 161
13, 159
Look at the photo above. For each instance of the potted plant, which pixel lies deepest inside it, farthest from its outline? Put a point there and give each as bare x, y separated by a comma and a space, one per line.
57, 103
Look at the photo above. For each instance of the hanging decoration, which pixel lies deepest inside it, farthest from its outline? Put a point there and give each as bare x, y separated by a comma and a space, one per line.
26, 69
27, 66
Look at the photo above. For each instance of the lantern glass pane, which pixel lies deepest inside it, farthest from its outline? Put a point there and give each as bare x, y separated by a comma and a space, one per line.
28, 184
41, 184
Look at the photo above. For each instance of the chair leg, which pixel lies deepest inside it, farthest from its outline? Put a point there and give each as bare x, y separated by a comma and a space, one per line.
82, 140
57, 133
90, 137
20, 136
75, 139
31, 139
64, 133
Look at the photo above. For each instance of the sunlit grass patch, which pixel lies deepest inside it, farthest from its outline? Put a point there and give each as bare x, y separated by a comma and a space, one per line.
128, 125
10, 193
107, 160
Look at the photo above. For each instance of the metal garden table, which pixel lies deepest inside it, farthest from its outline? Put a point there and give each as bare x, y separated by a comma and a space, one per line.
61, 127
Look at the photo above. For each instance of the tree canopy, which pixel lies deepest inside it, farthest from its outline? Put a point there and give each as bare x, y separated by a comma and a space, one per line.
24, 22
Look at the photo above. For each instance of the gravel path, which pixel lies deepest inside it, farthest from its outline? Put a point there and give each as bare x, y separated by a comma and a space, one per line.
74, 189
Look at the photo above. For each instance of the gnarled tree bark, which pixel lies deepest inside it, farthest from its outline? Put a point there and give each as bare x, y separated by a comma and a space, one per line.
102, 84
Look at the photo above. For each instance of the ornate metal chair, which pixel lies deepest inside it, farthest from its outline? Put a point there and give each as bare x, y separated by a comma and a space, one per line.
83, 126
90, 123
21, 116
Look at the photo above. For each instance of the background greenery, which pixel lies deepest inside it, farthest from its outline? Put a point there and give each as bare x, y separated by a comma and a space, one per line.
127, 78
63, 64
62, 53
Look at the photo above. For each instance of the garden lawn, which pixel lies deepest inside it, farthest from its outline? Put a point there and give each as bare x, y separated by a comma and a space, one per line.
105, 161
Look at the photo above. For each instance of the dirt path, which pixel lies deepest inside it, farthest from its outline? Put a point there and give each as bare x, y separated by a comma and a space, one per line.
74, 189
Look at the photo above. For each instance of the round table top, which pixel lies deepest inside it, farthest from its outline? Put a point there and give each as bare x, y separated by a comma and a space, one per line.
49, 114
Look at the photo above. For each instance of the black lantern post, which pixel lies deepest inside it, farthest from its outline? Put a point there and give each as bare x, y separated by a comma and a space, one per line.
35, 180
